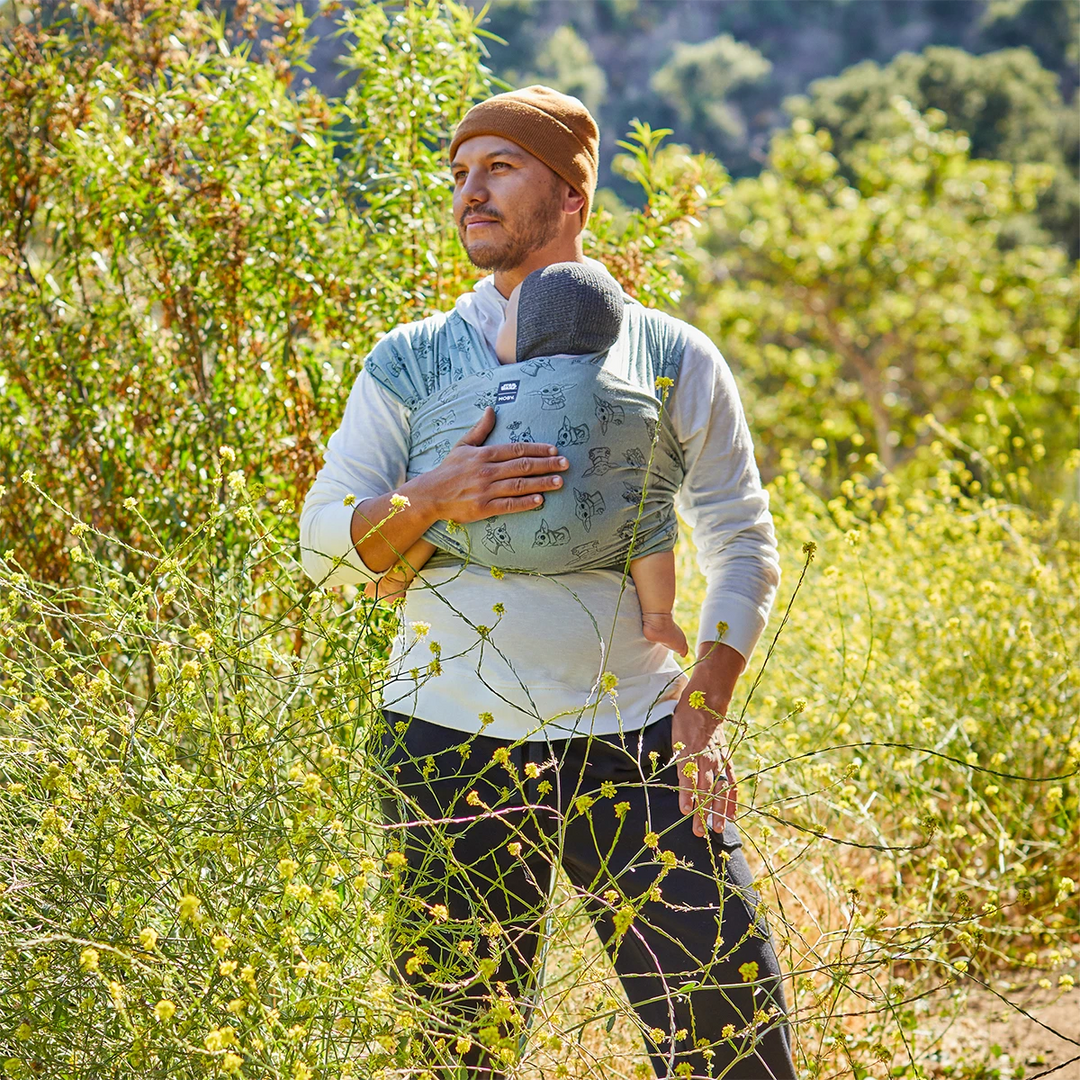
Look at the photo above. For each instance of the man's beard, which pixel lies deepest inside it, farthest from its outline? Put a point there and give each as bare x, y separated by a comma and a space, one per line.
537, 231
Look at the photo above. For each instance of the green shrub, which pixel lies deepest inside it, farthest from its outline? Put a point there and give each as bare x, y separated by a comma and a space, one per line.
188, 886
910, 755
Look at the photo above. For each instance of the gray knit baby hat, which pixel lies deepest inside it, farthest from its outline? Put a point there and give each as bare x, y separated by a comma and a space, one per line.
568, 308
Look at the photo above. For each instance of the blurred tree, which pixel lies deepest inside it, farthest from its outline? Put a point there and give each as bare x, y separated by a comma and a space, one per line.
1007, 103
698, 81
851, 310
1050, 28
566, 63
621, 12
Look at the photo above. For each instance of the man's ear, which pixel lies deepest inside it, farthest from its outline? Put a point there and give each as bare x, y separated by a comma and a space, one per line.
573, 200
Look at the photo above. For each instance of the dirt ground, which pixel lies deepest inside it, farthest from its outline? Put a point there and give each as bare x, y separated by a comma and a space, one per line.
1027, 1048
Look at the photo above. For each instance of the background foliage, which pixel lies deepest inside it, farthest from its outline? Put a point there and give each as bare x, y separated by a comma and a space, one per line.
855, 308
196, 251
727, 76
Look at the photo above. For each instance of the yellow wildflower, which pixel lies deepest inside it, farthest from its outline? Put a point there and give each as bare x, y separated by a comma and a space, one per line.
189, 907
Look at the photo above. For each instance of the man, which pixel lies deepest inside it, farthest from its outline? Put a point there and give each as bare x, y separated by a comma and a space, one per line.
548, 731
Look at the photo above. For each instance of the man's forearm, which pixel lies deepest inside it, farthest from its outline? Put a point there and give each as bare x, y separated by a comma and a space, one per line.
716, 672
382, 532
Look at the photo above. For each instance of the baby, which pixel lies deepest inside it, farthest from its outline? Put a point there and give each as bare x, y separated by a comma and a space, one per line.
559, 315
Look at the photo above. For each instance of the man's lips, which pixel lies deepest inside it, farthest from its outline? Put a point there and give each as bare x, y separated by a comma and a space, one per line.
480, 221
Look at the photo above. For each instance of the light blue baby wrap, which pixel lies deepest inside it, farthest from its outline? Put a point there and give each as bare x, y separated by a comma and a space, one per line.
603, 411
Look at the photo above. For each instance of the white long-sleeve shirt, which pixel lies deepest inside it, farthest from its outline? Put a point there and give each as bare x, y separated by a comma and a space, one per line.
538, 670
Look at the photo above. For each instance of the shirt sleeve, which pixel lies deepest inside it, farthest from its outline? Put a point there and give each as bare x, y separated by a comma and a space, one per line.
722, 499
366, 457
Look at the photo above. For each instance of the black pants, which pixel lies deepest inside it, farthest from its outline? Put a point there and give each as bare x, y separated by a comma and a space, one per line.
483, 823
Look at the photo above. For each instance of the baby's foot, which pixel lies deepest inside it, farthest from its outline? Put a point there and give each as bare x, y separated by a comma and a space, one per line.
660, 628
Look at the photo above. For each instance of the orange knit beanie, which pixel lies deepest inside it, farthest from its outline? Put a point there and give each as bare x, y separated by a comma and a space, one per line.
553, 127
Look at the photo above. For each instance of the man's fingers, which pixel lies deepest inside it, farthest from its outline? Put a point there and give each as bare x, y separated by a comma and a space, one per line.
518, 486
709, 794
476, 435
515, 505
687, 792
526, 466
721, 804
511, 451
703, 789
731, 794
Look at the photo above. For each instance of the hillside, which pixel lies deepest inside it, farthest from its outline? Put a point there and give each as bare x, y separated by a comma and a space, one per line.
718, 71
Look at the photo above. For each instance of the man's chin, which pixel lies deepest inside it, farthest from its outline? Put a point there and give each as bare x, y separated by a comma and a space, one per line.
487, 257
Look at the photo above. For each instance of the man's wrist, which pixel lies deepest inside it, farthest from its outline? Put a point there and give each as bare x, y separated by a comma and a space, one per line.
423, 499
368, 522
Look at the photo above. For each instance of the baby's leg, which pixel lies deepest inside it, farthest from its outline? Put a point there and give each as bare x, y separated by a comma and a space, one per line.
654, 578
392, 585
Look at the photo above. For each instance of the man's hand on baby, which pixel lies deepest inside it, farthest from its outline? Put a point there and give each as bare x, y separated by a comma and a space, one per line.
474, 481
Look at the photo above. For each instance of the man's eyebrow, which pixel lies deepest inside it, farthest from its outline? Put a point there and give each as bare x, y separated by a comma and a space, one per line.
503, 152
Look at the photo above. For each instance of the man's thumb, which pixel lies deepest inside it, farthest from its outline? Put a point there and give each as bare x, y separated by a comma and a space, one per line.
476, 435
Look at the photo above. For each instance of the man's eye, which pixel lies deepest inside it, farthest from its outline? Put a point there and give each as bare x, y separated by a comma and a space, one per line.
500, 165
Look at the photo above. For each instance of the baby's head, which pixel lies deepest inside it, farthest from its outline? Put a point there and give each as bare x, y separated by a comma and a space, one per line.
566, 308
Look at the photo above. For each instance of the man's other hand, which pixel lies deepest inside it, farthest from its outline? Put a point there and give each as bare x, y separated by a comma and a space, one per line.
707, 786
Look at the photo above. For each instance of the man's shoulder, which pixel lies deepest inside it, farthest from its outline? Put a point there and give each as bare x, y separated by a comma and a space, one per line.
408, 335
675, 347
414, 359
675, 327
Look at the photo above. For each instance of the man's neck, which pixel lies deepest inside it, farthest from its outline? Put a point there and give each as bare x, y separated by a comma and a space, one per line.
506, 281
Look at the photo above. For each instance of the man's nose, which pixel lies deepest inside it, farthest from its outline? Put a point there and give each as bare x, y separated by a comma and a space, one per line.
474, 190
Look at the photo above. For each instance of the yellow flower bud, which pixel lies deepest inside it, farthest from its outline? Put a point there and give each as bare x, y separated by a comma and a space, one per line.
164, 1010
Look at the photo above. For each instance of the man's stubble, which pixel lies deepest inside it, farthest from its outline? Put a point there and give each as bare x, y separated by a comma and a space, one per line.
540, 228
